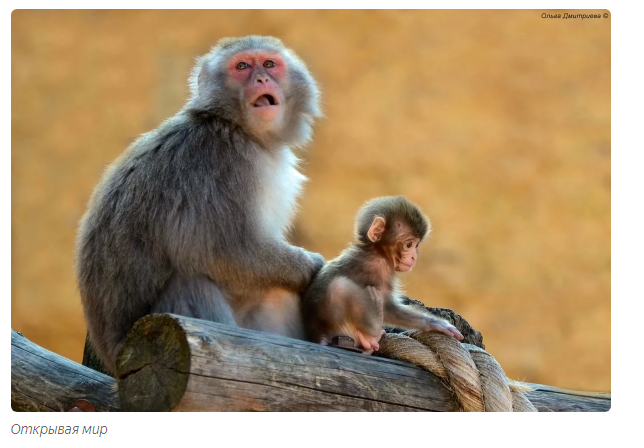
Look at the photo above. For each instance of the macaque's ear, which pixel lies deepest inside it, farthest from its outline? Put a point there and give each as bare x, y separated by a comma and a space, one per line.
377, 229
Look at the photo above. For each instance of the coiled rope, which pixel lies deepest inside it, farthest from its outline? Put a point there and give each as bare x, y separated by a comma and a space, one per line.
469, 371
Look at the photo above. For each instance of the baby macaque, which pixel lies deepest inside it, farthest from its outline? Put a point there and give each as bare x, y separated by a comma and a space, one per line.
354, 294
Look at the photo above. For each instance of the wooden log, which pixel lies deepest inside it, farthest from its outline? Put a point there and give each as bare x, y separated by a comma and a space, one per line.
174, 362
44, 381
177, 363
470, 335
554, 399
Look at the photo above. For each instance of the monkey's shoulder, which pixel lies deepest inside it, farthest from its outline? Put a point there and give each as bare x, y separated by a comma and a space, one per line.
342, 266
182, 149
184, 137
361, 268
180, 160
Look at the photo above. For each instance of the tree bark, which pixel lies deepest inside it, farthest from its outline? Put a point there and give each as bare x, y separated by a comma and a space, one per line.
171, 362
44, 381
177, 363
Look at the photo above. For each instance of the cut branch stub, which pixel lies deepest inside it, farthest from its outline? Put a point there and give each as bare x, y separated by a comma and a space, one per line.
153, 365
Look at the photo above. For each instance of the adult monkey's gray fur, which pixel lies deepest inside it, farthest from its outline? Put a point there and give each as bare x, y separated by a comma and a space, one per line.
191, 218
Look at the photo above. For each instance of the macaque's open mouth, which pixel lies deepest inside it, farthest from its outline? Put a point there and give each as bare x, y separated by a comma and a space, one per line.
265, 100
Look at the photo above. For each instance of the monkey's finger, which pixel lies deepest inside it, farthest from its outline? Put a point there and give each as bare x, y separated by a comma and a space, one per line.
374, 345
457, 334
453, 331
364, 342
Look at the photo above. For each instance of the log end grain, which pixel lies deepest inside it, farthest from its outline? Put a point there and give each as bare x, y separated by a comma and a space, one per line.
153, 365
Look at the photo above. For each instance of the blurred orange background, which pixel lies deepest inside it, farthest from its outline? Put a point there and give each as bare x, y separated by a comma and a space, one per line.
496, 123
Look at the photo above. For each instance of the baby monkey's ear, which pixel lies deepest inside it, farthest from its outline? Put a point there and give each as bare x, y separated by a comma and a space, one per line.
377, 229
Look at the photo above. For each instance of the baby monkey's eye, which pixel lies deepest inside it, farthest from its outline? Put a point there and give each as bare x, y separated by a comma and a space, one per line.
269, 64
242, 66
408, 245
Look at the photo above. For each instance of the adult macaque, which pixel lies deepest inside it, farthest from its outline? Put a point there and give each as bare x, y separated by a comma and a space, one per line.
354, 294
191, 218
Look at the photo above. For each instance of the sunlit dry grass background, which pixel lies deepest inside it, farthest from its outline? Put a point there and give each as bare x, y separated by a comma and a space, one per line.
497, 123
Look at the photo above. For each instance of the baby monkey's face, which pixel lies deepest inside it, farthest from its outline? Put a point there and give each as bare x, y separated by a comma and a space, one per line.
396, 240
407, 253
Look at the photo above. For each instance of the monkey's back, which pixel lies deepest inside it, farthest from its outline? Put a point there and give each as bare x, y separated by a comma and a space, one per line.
143, 221
350, 264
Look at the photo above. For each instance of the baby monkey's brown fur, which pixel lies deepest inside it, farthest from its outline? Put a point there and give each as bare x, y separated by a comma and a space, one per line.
354, 294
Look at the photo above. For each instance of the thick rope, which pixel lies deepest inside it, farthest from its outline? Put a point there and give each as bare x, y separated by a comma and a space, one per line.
472, 373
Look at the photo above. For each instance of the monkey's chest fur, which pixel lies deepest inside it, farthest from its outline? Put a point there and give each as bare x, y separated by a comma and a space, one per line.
279, 186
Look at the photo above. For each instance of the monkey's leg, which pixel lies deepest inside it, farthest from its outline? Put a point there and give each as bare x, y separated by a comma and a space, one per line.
278, 311
195, 297
355, 312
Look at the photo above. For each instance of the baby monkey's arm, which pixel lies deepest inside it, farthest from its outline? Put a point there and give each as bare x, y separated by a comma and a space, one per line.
395, 313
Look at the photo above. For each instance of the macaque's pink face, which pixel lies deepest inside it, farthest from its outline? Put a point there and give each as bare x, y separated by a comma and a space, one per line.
260, 76
408, 254
402, 247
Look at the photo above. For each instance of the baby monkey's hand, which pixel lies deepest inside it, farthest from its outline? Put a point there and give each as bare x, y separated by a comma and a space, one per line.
369, 343
437, 324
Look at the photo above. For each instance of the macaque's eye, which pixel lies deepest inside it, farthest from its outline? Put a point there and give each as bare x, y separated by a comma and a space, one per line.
242, 66
269, 64
408, 245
